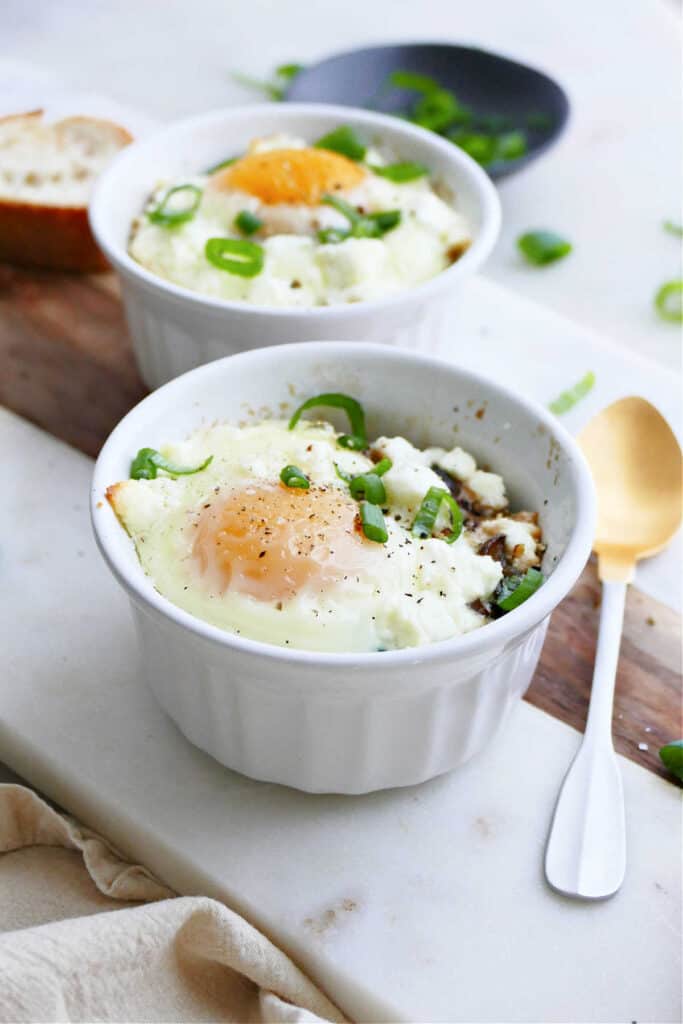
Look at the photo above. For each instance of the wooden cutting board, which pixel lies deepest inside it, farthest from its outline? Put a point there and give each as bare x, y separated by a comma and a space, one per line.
66, 364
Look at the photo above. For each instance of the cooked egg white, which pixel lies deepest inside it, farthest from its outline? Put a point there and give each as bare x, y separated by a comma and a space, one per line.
281, 180
235, 547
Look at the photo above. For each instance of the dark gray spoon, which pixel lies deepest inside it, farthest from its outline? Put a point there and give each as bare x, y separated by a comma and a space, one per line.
490, 85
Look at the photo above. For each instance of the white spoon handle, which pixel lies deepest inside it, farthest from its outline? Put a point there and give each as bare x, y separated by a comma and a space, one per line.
586, 852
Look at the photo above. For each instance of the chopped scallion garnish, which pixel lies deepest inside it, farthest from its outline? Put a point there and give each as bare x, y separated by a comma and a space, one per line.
673, 228
342, 474
669, 302
247, 222
568, 399
372, 522
541, 247
672, 758
357, 439
382, 467
423, 525
236, 255
148, 461
343, 140
223, 163
413, 81
401, 172
292, 476
169, 213
368, 225
515, 590
369, 486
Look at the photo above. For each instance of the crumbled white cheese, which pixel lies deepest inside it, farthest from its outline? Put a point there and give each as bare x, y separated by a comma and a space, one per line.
489, 488
458, 463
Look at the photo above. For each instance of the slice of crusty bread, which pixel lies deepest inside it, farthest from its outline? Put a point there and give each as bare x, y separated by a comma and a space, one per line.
47, 171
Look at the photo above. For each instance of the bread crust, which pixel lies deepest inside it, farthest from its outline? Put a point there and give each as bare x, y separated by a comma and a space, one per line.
50, 236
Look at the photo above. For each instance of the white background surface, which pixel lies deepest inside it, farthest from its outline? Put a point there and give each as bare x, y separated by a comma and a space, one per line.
608, 185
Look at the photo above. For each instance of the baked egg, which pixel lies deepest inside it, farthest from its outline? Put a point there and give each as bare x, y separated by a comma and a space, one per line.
291, 533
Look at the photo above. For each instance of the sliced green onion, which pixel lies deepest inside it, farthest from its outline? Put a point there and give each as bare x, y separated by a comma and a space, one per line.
288, 72
669, 302
436, 111
414, 81
568, 399
516, 589
247, 222
371, 225
357, 439
673, 228
342, 474
401, 172
148, 461
343, 140
224, 163
510, 146
539, 120
382, 467
332, 236
672, 758
167, 215
369, 486
236, 255
481, 148
541, 247
423, 525
292, 476
272, 90
373, 524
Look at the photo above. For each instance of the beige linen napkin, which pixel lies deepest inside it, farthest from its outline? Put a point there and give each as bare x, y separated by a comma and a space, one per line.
68, 953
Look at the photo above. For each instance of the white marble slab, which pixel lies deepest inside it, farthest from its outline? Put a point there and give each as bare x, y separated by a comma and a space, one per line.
421, 904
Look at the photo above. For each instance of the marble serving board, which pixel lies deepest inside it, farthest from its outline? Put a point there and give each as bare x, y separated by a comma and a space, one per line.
420, 904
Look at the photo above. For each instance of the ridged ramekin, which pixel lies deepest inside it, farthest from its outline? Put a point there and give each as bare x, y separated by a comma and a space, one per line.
174, 329
350, 723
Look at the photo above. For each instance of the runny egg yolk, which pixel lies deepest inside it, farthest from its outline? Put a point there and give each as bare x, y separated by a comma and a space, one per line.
271, 541
291, 176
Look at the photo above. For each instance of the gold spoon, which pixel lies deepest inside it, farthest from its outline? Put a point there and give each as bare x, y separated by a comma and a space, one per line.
637, 469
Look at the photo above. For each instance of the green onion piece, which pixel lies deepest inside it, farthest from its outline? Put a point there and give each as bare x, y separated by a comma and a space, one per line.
436, 110
343, 140
272, 90
493, 123
481, 148
510, 146
247, 222
401, 172
568, 399
342, 474
357, 439
371, 225
332, 236
288, 72
148, 461
423, 525
669, 302
516, 589
373, 524
412, 80
382, 467
539, 121
224, 163
235, 255
672, 758
292, 476
167, 215
541, 247
369, 486
673, 228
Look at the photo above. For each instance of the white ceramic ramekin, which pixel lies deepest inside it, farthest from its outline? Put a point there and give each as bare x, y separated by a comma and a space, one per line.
174, 329
349, 723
